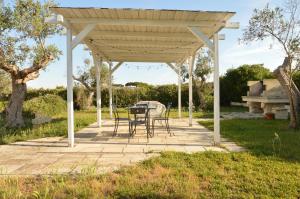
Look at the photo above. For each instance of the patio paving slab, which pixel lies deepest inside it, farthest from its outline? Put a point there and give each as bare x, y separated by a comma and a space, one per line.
96, 149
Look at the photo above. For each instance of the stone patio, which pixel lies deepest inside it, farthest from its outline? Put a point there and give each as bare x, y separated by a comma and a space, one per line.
96, 149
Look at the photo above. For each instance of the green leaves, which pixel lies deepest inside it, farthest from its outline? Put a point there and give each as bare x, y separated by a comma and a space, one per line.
281, 24
24, 32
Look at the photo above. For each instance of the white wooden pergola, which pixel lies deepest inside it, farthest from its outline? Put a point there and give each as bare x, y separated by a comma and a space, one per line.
138, 35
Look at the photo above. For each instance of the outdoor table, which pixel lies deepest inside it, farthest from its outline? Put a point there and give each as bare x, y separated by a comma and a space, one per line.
142, 109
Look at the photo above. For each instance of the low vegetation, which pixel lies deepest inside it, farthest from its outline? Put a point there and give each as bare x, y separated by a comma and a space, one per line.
173, 175
262, 137
58, 127
269, 169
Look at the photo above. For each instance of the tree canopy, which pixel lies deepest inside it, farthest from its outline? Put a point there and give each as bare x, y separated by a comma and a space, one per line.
233, 85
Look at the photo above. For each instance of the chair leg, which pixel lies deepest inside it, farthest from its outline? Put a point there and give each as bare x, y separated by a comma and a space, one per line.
130, 133
153, 123
118, 122
168, 127
115, 128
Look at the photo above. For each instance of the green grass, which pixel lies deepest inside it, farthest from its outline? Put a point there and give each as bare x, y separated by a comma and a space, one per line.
259, 137
173, 175
267, 170
58, 127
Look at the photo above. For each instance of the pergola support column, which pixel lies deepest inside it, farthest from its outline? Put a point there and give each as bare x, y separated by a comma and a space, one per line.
110, 90
70, 89
98, 64
217, 137
179, 90
191, 67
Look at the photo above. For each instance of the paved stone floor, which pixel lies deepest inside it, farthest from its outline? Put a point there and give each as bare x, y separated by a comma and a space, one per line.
96, 149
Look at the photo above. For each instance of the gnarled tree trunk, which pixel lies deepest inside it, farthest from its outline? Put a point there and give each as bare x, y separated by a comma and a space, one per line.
14, 117
291, 89
90, 99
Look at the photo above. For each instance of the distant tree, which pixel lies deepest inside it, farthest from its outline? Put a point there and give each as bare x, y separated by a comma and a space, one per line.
283, 25
233, 85
87, 78
23, 49
203, 68
201, 73
137, 84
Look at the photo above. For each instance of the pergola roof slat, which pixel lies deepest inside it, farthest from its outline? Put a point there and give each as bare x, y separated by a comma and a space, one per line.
143, 34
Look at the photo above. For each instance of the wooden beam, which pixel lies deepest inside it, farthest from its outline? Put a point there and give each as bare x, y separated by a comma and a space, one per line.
147, 22
217, 138
140, 50
162, 35
144, 43
116, 67
148, 54
232, 25
87, 29
58, 19
173, 67
145, 59
70, 103
202, 37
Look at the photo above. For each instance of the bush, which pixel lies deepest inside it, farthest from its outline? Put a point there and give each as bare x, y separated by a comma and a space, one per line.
48, 105
60, 91
233, 85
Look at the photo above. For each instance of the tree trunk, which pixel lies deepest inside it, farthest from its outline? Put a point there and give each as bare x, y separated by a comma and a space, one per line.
14, 117
200, 93
90, 99
292, 91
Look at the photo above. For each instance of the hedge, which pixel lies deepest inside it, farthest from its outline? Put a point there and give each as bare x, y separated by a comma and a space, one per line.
47, 105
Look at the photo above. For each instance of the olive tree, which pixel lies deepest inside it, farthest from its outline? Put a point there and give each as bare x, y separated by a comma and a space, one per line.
87, 77
283, 25
23, 49
203, 68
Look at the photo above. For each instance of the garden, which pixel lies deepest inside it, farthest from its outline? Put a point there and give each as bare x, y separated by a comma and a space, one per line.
267, 167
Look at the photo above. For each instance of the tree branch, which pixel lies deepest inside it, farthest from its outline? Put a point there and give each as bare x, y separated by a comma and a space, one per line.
80, 80
36, 66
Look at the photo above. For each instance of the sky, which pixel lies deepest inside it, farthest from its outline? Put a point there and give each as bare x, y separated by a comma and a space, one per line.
232, 52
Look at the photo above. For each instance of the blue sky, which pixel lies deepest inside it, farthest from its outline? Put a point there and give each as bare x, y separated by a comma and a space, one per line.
232, 53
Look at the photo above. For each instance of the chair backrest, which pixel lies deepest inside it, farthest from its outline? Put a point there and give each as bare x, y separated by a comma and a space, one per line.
167, 113
115, 111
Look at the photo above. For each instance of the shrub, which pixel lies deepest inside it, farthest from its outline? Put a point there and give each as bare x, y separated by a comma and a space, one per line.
233, 85
48, 105
60, 91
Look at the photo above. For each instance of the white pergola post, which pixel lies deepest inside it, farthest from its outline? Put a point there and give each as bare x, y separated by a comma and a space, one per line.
191, 66
179, 90
70, 88
98, 64
110, 90
216, 91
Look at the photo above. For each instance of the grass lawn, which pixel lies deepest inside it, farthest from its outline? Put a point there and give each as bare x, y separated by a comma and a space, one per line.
173, 175
267, 170
259, 137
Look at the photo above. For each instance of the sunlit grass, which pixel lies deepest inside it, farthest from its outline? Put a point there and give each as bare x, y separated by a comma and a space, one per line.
173, 175
258, 135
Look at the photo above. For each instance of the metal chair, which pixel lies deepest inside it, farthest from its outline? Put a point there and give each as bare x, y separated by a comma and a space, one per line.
117, 119
163, 118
